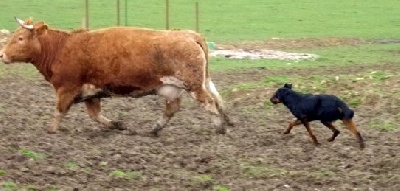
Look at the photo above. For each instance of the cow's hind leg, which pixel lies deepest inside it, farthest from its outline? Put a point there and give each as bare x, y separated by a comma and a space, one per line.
333, 129
171, 107
65, 98
218, 102
206, 101
93, 107
352, 127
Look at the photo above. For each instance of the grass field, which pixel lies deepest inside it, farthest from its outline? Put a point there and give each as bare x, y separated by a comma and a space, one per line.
238, 21
225, 20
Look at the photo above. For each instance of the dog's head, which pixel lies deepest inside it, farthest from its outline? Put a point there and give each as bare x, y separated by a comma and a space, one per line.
280, 93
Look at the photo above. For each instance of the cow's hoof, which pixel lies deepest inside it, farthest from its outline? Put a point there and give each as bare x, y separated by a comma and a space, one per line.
220, 130
117, 125
230, 123
286, 132
155, 133
362, 145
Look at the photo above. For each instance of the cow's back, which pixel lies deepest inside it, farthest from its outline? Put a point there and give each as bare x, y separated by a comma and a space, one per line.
135, 57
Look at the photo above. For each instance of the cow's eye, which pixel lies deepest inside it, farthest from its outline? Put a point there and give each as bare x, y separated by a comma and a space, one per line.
20, 38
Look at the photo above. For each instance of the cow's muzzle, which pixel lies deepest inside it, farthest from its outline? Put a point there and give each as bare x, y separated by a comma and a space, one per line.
3, 57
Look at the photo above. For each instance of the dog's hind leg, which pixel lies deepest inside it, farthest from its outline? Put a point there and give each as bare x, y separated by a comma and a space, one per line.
333, 129
291, 125
307, 125
352, 127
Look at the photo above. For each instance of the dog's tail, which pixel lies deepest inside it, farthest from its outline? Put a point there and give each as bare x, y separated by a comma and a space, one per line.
347, 112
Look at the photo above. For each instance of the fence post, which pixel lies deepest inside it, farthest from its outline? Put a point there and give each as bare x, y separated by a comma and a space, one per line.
118, 13
167, 14
86, 19
197, 16
126, 12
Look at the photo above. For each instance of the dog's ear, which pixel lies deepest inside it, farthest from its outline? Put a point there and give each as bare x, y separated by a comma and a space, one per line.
288, 86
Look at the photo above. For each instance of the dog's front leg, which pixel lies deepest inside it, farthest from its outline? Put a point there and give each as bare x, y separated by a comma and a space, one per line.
291, 125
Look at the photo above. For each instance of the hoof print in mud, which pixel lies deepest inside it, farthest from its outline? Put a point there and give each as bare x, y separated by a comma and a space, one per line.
51, 131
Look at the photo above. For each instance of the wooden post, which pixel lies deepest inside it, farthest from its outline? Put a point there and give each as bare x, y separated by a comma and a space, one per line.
118, 13
126, 12
86, 19
197, 16
167, 14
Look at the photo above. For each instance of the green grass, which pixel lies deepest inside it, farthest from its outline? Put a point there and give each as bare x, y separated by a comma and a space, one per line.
237, 20
71, 165
3, 172
8, 186
125, 175
340, 56
225, 20
31, 154
384, 126
262, 171
202, 178
221, 188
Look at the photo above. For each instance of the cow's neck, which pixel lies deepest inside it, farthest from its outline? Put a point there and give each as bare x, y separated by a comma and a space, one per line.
51, 45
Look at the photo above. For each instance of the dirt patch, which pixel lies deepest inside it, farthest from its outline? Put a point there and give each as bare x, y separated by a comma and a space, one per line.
188, 155
268, 49
261, 54
385, 41
293, 44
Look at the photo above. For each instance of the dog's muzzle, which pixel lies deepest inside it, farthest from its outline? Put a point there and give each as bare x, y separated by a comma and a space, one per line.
275, 100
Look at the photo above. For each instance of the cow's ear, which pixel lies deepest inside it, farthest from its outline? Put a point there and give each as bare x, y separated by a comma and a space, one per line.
40, 28
288, 86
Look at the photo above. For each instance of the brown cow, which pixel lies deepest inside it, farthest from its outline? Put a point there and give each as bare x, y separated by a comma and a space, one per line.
88, 65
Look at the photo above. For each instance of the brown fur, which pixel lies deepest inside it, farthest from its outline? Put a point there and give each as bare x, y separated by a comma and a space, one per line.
118, 60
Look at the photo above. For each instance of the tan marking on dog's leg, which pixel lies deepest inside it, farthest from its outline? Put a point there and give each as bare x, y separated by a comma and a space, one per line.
171, 107
314, 139
352, 127
291, 125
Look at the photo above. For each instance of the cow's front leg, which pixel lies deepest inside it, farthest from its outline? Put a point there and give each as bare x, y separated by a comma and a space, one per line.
65, 98
93, 107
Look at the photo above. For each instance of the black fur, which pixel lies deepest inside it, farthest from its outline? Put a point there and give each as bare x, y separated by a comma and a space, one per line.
326, 108
308, 107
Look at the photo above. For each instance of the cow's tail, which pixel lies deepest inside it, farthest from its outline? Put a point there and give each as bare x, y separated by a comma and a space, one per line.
347, 112
209, 84
201, 41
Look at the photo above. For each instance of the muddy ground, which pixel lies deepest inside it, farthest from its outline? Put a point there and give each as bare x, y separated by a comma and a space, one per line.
188, 155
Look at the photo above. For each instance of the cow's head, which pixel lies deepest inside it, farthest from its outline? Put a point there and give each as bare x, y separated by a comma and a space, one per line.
24, 44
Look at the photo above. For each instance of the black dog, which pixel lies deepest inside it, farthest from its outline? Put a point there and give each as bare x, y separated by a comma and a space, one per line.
308, 107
